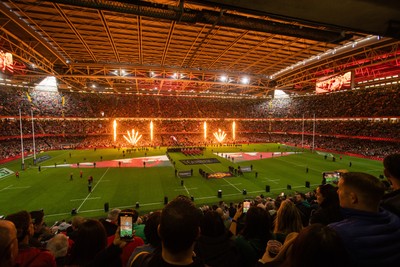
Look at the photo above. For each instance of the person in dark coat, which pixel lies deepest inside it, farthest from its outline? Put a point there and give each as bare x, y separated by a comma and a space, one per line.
215, 245
370, 234
391, 200
328, 210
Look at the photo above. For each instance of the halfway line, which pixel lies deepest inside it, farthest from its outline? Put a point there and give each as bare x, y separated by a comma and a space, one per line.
92, 190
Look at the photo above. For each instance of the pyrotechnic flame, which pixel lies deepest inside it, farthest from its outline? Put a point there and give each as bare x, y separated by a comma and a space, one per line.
220, 135
134, 138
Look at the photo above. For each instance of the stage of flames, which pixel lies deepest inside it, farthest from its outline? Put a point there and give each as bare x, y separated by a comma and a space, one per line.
133, 138
220, 135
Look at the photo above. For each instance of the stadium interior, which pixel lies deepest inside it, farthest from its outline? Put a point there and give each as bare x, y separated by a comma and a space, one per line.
258, 64
242, 99
199, 48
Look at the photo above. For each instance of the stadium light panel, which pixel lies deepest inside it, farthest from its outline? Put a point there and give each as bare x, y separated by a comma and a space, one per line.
47, 84
280, 94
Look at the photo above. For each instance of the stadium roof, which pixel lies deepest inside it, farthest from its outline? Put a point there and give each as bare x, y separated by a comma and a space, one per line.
199, 47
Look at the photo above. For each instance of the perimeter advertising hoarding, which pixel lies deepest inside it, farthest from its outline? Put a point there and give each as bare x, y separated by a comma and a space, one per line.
333, 83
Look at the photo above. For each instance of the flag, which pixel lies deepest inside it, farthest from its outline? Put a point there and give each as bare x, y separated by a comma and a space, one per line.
29, 97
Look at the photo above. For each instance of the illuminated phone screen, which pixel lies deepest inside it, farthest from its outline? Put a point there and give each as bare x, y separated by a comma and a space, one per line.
126, 227
246, 206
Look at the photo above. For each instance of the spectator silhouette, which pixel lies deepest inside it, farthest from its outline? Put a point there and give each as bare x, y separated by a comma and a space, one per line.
58, 246
252, 239
72, 231
27, 255
317, 245
231, 210
370, 235
130, 246
391, 201
287, 226
304, 207
111, 223
8, 244
178, 230
287, 220
328, 210
151, 233
138, 226
90, 246
41, 232
215, 245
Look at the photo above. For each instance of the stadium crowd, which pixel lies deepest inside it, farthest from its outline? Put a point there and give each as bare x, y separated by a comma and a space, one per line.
362, 128
353, 223
373, 102
342, 119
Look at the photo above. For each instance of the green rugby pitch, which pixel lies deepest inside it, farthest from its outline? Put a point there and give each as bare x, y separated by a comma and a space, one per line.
122, 187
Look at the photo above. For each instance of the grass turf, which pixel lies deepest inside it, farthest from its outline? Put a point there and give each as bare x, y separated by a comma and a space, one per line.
51, 188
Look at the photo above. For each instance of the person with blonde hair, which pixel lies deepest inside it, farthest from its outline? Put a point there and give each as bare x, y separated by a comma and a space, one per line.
287, 220
287, 225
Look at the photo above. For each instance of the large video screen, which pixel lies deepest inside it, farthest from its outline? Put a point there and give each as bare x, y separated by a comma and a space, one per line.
333, 83
6, 61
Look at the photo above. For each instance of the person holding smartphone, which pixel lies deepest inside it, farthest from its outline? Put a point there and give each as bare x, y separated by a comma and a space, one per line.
252, 239
126, 233
246, 206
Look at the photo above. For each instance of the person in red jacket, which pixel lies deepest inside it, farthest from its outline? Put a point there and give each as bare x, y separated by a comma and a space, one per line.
29, 256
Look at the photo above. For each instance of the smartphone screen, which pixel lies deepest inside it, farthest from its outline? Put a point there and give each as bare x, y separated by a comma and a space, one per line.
126, 226
246, 206
331, 177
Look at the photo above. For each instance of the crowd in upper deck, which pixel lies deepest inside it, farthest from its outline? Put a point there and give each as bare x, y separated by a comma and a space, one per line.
376, 102
61, 117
